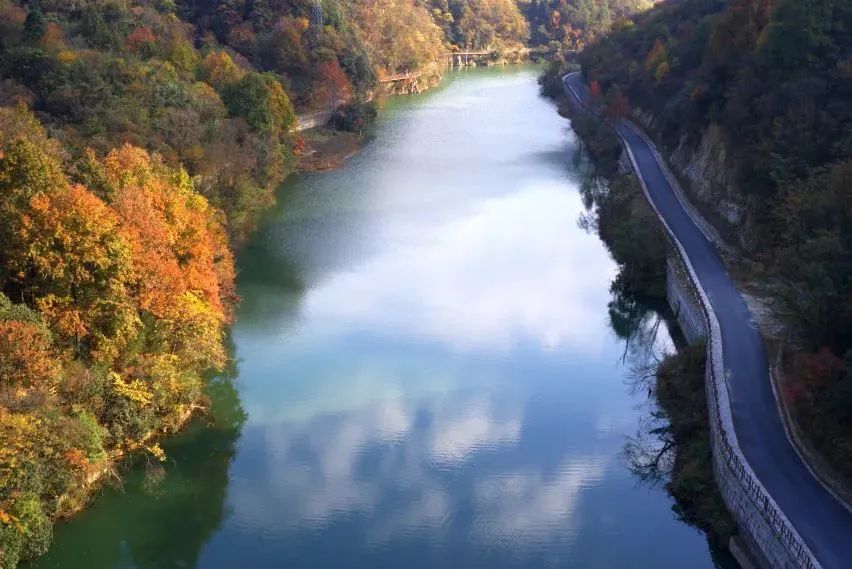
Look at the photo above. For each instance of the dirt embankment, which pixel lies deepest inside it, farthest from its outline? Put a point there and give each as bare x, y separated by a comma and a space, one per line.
327, 149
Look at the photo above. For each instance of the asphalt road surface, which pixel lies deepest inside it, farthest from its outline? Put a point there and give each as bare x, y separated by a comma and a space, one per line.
821, 520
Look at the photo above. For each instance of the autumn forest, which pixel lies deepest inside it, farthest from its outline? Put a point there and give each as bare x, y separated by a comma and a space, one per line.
141, 142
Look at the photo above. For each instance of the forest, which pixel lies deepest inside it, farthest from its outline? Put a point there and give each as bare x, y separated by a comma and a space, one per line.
771, 80
140, 141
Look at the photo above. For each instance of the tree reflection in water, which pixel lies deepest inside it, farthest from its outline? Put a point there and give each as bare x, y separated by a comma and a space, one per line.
636, 317
161, 520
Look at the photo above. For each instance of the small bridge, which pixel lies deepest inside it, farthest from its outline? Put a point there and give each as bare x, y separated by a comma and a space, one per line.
460, 58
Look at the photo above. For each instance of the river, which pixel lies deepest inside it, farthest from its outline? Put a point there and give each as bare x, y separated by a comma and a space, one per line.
425, 372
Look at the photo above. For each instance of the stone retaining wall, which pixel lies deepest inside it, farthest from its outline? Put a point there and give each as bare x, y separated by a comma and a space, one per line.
312, 120
765, 529
758, 536
771, 537
683, 302
763, 526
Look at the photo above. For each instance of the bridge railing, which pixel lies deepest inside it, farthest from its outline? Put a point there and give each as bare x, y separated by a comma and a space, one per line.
723, 428
760, 498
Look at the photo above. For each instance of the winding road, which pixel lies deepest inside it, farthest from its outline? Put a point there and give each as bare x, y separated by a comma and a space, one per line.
823, 522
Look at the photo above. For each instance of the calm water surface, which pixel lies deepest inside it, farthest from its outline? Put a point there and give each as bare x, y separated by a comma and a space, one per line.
426, 374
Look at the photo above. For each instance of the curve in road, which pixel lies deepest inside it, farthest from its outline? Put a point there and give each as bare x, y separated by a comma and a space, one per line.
823, 522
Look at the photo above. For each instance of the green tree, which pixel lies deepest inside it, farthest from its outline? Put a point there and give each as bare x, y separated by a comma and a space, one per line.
261, 101
34, 26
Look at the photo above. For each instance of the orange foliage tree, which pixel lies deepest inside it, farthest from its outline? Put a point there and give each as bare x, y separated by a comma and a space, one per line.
141, 38
334, 86
594, 89
78, 265
656, 55
219, 70
27, 358
183, 271
811, 372
619, 106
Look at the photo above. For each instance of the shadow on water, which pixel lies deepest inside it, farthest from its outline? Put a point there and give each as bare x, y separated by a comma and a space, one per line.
636, 319
634, 316
161, 516
554, 158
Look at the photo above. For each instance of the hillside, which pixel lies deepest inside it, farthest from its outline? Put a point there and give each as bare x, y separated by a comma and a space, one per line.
753, 101
139, 142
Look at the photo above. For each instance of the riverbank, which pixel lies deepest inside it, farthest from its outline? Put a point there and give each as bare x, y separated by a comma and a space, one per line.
787, 516
808, 385
637, 240
411, 349
431, 75
327, 149
324, 149
781, 203
680, 391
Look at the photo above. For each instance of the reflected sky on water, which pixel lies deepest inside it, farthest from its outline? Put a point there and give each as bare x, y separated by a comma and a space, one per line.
426, 365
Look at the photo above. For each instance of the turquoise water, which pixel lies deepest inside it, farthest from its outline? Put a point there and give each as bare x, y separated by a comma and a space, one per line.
425, 372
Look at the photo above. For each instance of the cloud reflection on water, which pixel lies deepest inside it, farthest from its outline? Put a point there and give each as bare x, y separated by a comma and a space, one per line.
446, 390
423, 435
409, 469
509, 273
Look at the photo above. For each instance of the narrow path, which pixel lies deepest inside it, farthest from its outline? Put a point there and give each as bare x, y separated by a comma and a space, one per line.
822, 521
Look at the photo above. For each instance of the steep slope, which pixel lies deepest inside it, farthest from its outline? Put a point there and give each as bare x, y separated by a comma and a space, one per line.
753, 101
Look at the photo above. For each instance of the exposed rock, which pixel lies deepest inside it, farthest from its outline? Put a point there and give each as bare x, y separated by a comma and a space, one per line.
707, 172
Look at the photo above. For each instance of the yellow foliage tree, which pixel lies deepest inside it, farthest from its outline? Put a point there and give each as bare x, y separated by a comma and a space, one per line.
219, 69
78, 265
400, 35
182, 267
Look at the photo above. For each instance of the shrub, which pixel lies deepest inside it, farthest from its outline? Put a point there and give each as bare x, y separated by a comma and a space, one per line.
354, 117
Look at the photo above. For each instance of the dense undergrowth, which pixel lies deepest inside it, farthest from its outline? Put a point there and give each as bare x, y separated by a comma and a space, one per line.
681, 394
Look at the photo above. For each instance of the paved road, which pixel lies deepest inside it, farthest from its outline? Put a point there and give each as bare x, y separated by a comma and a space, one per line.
823, 522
